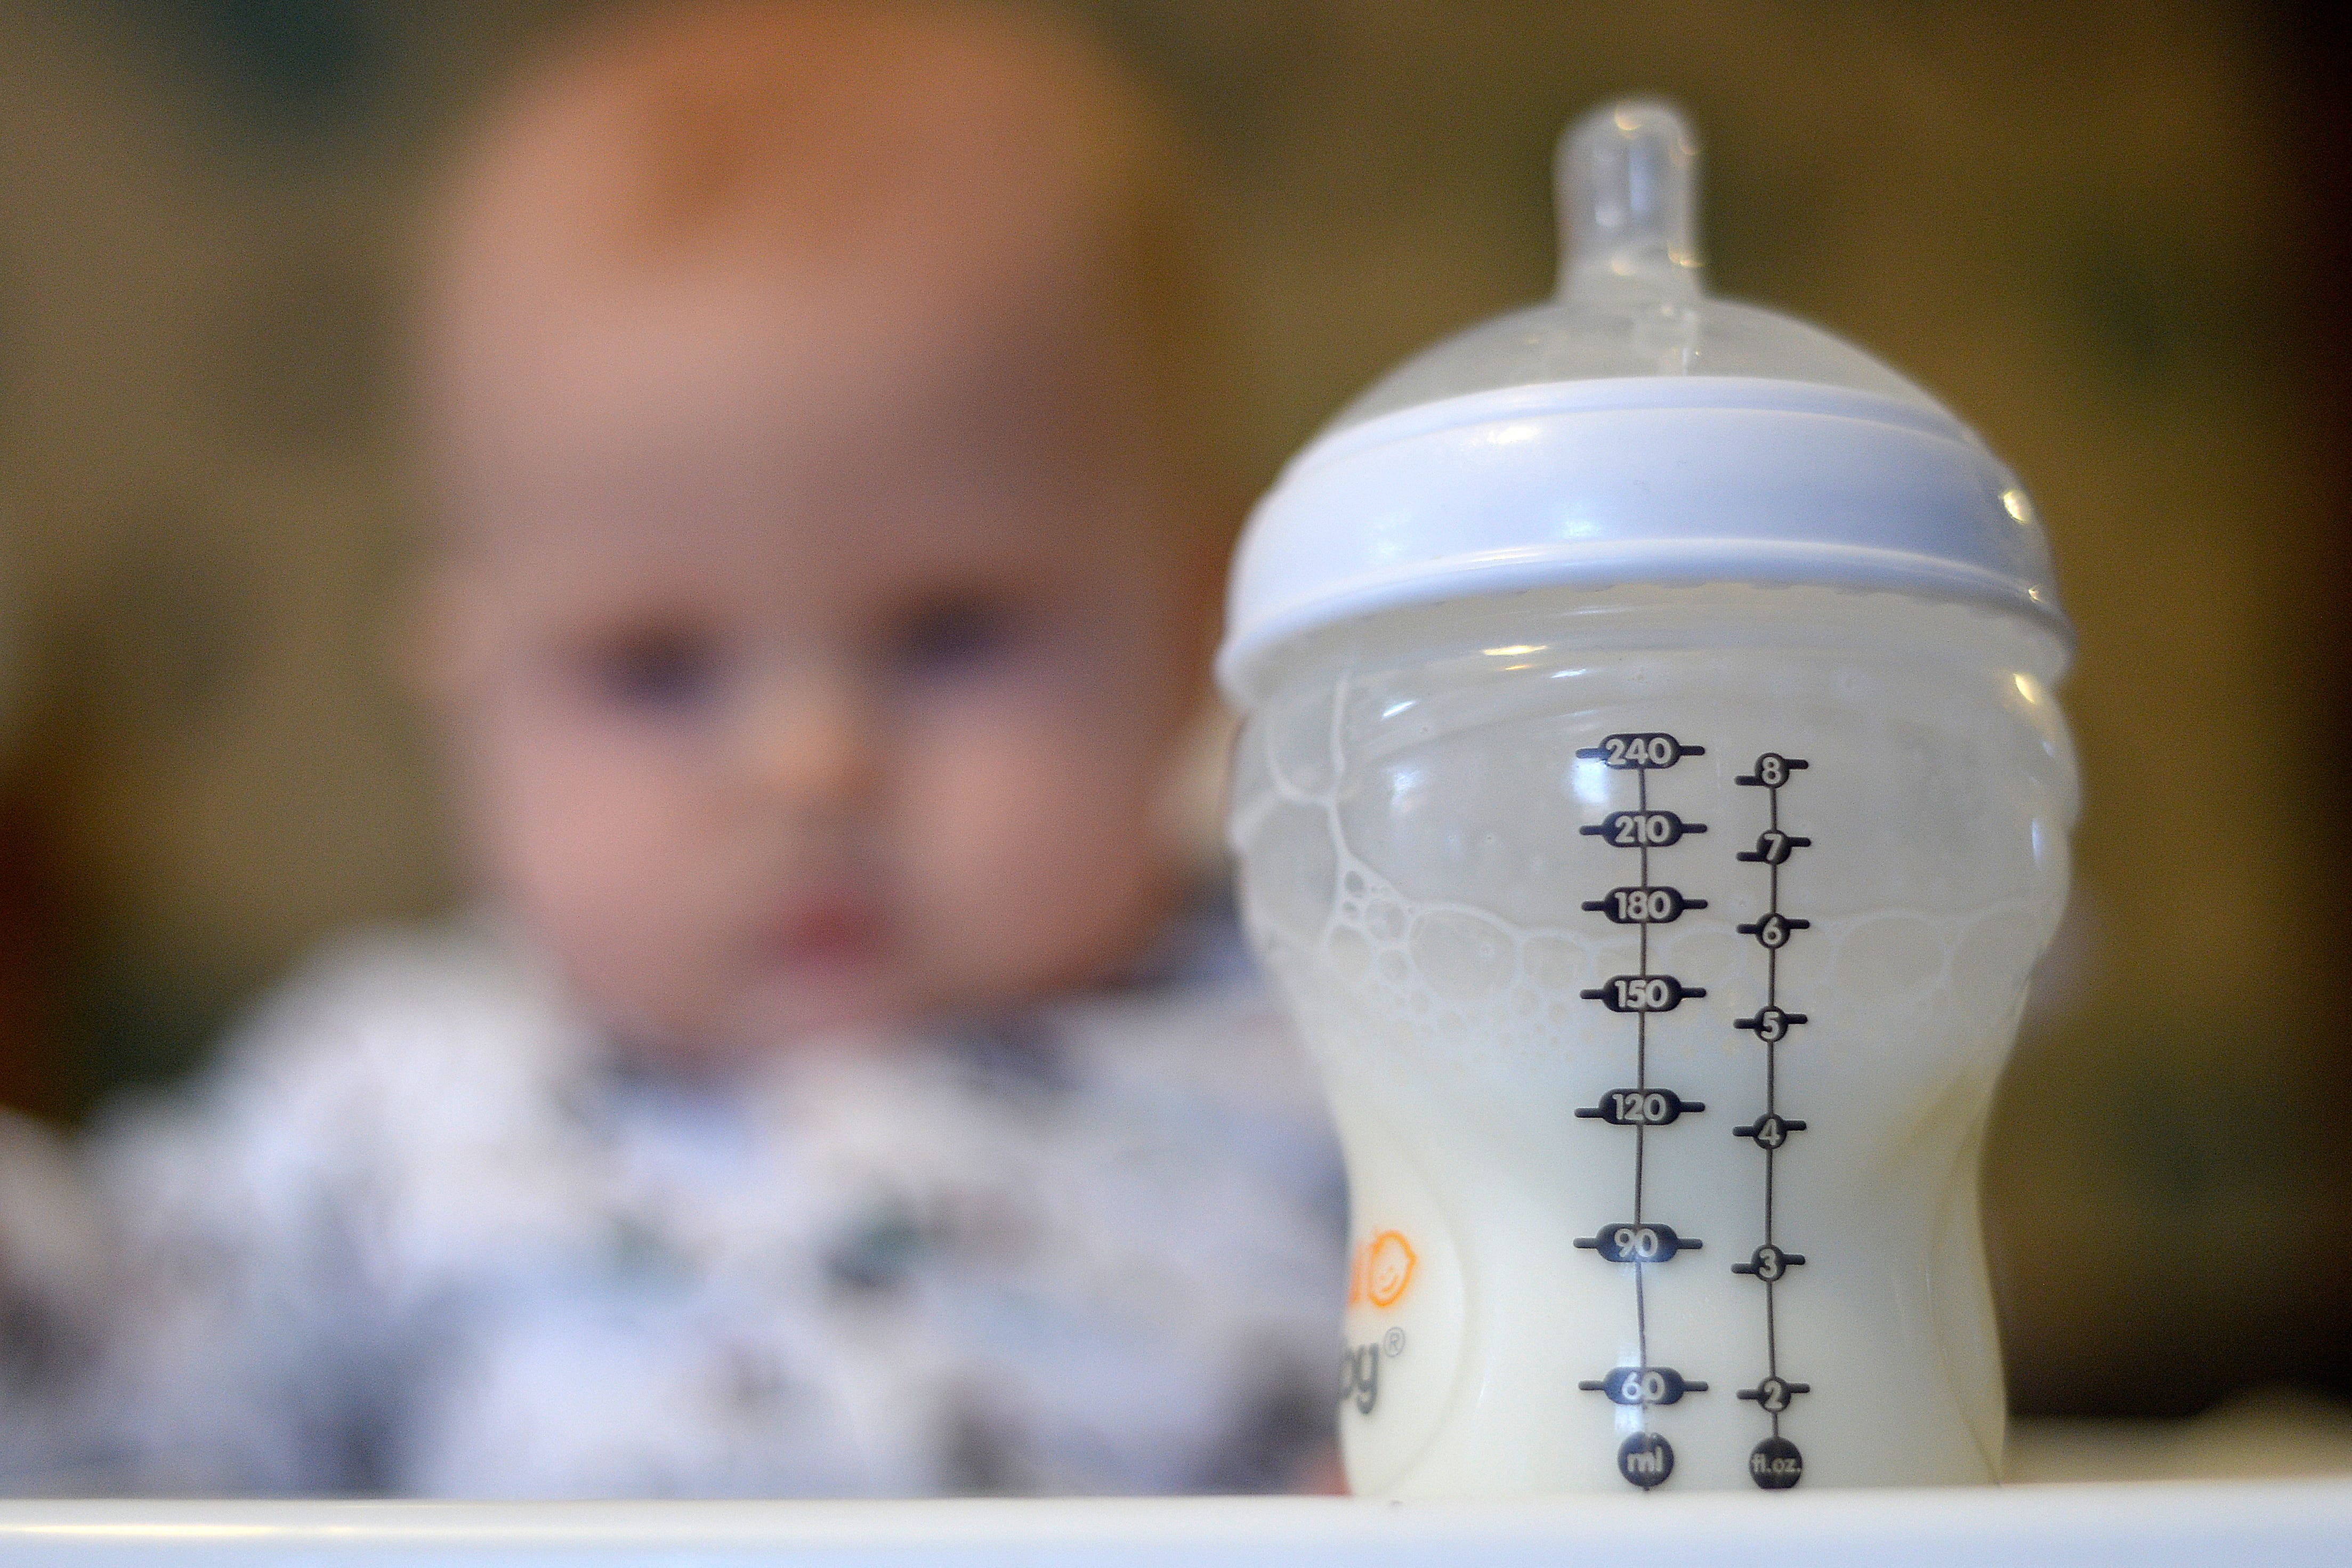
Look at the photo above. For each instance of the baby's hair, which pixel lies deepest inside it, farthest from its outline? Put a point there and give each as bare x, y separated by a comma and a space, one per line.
797, 130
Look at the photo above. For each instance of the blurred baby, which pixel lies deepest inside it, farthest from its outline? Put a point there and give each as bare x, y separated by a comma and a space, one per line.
830, 1097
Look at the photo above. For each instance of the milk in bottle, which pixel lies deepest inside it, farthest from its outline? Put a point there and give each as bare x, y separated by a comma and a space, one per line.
1650, 803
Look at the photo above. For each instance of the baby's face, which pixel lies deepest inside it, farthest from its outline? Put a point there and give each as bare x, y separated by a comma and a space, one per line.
804, 675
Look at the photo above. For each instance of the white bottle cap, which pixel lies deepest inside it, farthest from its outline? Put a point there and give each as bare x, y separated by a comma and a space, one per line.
1629, 430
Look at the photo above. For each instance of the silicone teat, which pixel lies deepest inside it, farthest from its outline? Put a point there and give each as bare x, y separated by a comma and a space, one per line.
1632, 428
1631, 301
1627, 176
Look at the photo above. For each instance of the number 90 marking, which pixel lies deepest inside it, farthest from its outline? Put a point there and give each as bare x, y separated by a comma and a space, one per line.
1638, 1244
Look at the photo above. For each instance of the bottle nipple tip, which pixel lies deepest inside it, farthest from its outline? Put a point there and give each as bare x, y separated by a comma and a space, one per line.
1627, 175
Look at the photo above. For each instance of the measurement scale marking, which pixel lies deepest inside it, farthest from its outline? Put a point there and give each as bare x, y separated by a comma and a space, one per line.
1646, 1458
1775, 1464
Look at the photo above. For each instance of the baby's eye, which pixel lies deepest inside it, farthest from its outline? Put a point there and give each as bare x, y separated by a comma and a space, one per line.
665, 670
954, 635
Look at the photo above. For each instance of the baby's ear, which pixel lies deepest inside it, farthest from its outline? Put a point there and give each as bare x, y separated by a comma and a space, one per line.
1189, 812
440, 635
1212, 530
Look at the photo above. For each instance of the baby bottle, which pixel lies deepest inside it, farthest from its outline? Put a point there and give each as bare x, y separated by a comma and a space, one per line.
1651, 805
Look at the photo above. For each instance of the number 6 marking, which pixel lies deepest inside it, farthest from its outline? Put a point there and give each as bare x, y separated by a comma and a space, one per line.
1775, 929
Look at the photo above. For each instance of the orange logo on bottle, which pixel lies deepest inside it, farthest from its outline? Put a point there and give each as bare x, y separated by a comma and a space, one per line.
1381, 1269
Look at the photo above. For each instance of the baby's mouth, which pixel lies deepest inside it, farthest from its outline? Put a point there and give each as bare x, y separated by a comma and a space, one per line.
836, 932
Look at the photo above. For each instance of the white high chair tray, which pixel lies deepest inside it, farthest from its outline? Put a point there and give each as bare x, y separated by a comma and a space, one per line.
2131, 1525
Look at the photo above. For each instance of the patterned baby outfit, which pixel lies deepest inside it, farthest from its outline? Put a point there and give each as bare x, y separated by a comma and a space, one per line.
420, 1233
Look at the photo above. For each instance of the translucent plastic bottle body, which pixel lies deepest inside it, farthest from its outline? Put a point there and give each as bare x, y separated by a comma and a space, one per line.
1618, 924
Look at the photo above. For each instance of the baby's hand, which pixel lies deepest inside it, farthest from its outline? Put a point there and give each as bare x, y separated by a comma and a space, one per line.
1322, 1473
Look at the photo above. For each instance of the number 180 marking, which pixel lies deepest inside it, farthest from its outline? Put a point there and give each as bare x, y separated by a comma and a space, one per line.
1643, 906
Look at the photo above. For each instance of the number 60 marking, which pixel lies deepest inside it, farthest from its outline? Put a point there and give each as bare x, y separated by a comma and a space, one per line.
1644, 1386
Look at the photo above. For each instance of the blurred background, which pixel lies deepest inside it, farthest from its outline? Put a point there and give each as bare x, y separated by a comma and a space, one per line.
2109, 236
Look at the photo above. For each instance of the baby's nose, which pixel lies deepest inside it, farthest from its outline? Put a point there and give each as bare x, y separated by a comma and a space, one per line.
808, 740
